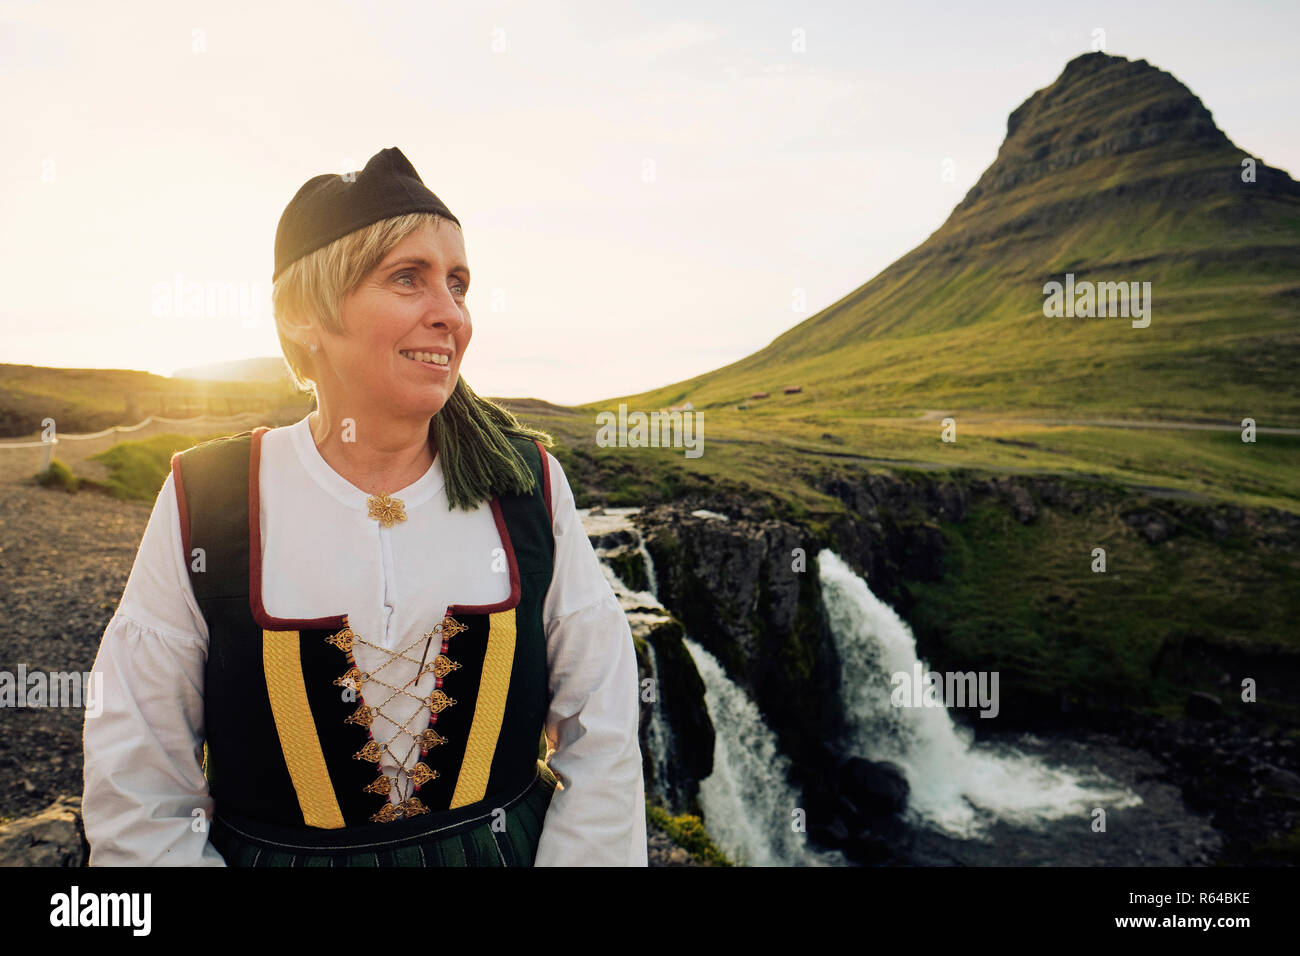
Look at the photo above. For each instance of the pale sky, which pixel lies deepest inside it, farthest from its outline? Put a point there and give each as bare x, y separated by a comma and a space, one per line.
644, 187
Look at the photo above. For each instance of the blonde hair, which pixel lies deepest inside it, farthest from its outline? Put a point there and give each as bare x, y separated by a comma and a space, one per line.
472, 433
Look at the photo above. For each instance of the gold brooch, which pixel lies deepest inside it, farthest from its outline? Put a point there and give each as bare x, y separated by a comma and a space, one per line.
386, 509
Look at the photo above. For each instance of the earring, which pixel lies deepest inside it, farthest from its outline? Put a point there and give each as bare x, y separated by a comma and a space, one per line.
313, 347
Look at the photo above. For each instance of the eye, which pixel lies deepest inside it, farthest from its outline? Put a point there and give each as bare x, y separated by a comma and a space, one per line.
404, 275
464, 289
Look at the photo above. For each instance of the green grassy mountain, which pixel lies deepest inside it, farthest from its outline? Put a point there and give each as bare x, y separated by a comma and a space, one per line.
1116, 172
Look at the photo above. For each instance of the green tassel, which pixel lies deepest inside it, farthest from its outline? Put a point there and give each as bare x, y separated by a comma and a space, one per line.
478, 462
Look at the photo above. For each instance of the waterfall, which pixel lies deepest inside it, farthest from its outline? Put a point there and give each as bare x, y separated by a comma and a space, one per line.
957, 786
748, 803
643, 612
659, 735
747, 800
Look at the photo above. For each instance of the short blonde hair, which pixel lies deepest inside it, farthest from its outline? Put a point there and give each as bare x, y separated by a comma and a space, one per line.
313, 288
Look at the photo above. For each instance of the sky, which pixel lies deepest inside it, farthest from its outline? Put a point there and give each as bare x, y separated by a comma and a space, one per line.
648, 190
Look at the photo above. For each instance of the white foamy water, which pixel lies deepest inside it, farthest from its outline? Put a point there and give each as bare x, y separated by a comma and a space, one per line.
957, 786
659, 735
748, 803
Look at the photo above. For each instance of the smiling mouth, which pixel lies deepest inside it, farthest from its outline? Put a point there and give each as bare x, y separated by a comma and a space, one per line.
428, 358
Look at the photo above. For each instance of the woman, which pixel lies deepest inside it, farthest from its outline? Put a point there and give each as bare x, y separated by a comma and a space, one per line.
345, 642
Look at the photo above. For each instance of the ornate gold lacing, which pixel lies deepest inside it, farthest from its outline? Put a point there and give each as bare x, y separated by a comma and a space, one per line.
365, 714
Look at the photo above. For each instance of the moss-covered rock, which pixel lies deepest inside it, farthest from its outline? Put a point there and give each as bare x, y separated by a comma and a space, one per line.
629, 565
687, 831
57, 475
680, 693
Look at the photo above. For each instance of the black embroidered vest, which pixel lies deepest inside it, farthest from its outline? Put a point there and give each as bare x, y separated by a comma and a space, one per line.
287, 743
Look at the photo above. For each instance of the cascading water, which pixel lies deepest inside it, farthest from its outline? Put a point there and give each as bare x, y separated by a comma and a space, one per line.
747, 800
643, 611
748, 804
659, 735
956, 785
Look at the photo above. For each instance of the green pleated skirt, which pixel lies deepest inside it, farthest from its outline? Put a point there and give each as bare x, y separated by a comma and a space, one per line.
475, 835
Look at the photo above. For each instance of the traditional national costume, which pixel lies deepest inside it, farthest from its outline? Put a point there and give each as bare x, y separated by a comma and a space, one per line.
301, 674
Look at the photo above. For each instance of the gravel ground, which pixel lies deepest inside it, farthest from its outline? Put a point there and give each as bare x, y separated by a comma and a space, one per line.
64, 561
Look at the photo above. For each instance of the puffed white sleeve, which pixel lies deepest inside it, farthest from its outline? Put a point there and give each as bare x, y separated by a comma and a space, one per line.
143, 732
597, 816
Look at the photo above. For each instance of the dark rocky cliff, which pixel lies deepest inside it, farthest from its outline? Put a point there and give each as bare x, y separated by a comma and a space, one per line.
739, 589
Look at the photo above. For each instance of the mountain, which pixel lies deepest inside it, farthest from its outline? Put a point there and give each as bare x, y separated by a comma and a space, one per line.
1116, 172
243, 370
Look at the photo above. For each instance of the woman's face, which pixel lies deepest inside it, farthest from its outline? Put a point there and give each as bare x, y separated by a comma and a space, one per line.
413, 301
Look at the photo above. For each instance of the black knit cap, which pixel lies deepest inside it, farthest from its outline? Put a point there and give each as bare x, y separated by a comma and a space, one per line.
330, 206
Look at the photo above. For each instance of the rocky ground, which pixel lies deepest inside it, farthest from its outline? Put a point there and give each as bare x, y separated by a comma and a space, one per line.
64, 560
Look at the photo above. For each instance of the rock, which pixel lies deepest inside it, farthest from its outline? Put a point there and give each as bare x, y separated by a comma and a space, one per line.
52, 837
748, 591
1280, 779
867, 848
877, 789
834, 834
681, 702
1203, 706
1022, 503
610, 540
678, 856
1151, 525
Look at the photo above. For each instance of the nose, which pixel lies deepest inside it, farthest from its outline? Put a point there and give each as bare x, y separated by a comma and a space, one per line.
443, 311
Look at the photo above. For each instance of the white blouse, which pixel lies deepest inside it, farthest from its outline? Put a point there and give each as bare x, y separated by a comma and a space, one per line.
323, 555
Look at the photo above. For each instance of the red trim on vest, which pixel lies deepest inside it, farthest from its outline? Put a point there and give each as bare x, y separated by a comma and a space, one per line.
181, 505
332, 623
546, 480
516, 589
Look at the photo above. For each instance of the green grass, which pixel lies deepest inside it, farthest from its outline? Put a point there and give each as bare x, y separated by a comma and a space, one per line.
137, 469
1022, 599
57, 475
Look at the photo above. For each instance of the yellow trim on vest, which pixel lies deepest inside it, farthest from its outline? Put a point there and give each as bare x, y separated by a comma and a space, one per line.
282, 662
489, 710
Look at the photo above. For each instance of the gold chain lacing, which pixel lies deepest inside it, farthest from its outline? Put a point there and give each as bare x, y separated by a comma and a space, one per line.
436, 702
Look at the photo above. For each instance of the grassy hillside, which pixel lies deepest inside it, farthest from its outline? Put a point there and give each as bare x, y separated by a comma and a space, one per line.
1116, 172
82, 400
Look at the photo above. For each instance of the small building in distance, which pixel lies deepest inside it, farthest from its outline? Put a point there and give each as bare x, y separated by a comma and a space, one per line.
759, 395
793, 389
